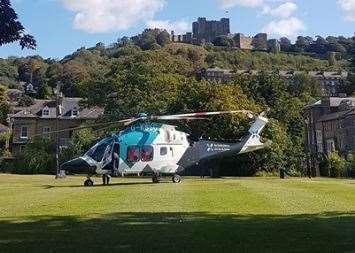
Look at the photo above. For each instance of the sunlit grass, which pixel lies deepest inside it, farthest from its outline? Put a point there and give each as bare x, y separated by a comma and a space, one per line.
250, 214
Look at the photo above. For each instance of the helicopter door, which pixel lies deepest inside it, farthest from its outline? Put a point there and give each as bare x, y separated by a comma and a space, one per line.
116, 159
107, 157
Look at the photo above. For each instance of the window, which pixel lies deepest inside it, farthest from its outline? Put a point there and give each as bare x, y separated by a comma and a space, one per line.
147, 153
133, 154
45, 112
163, 151
46, 130
74, 112
98, 153
24, 132
330, 146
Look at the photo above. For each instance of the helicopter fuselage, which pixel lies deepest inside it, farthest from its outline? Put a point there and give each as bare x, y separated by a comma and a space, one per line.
157, 149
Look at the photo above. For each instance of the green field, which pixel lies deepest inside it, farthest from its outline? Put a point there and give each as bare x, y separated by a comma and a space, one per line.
40, 214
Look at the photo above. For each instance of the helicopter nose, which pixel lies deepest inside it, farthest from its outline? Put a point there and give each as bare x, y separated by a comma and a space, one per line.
78, 165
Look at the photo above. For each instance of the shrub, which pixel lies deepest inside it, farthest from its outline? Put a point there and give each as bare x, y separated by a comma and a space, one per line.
351, 164
336, 164
39, 157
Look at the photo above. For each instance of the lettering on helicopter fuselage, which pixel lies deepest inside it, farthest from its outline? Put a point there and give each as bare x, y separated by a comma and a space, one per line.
144, 128
216, 147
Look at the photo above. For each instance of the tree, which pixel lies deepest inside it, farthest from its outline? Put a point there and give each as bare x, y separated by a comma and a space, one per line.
301, 44
163, 38
39, 157
79, 144
11, 29
25, 101
4, 104
285, 44
305, 86
351, 85
223, 41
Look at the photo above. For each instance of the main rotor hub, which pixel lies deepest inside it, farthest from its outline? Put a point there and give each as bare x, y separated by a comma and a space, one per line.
143, 116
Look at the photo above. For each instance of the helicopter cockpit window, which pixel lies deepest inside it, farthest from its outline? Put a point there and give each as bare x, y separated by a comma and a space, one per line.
147, 153
133, 154
98, 151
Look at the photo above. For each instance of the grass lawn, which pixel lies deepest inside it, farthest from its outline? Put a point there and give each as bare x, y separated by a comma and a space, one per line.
40, 214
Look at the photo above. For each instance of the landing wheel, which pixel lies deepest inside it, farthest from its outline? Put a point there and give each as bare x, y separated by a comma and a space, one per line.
88, 183
155, 179
176, 179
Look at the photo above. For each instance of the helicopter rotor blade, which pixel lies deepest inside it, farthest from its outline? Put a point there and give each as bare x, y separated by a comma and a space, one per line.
125, 122
200, 115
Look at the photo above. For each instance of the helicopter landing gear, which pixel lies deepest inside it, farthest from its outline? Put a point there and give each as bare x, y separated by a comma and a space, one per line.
176, 179
106, 179
156, 178
88, 182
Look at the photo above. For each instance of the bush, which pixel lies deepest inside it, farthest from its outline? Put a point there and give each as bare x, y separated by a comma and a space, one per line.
324, 167
336, 165
80, 143
39, 158
351, 164
264, 173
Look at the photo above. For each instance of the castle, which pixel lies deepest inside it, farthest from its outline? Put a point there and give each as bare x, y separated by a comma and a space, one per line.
206, 31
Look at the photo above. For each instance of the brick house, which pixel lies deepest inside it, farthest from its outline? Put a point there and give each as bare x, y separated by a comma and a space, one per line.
330, 126
40, 118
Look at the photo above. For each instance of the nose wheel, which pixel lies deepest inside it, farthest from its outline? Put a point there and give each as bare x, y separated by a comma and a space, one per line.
176, 179
88, 183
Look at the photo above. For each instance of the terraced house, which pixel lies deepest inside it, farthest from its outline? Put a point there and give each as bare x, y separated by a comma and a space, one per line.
330, 126
41, 118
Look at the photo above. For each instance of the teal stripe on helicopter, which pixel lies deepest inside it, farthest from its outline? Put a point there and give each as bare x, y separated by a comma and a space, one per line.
145, 133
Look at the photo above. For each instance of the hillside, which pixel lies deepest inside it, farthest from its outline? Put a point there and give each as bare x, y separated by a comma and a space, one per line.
86, 64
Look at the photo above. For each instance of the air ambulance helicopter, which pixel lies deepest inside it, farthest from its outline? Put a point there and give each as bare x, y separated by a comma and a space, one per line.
149, 148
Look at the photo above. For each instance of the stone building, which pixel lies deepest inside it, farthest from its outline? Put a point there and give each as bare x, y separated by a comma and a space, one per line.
258, 42
243, 42
41, 117
332, 82
204, 30
182, 38
329, 126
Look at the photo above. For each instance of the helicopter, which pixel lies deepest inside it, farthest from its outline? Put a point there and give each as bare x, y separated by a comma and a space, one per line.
149, 148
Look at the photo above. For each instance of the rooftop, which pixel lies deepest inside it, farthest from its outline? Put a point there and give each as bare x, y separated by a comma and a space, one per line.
68, 105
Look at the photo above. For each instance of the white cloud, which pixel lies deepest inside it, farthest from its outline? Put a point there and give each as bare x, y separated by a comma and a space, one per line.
285, 27
284, 10
348, 7
179, 27
245, 3
96, 16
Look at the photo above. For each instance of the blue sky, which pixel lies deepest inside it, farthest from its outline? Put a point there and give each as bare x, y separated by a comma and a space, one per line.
62, 26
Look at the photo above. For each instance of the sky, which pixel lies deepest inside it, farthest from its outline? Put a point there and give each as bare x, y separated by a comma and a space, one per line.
62, 26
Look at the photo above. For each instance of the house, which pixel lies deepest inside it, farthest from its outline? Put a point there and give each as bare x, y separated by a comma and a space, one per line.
41, 118
329, 126
333, 83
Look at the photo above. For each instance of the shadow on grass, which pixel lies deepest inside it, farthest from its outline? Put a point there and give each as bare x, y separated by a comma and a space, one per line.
180, 232
101, 185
